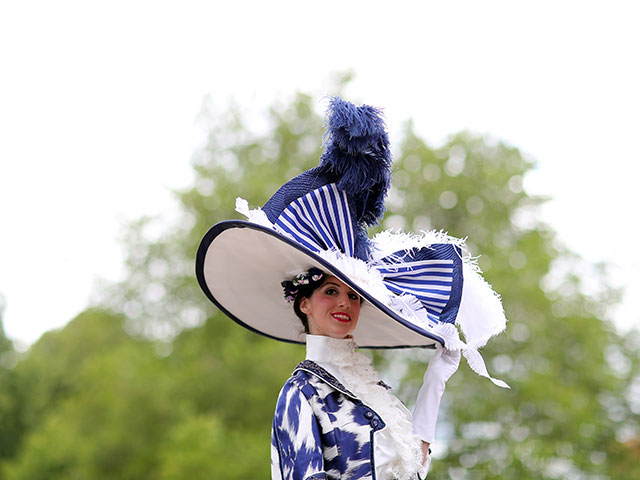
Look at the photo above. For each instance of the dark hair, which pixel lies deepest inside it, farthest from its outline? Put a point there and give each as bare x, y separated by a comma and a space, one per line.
305, 291
302, 286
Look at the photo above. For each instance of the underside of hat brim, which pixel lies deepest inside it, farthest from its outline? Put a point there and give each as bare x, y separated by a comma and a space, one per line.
240, 265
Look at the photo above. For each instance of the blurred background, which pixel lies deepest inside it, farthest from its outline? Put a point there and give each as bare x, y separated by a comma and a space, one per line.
129, 128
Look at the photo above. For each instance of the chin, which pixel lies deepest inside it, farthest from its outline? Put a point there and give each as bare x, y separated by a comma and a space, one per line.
341, 335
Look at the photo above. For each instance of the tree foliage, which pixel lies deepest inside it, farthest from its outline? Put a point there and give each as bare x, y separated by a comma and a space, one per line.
157, 384
10, 394
568, 407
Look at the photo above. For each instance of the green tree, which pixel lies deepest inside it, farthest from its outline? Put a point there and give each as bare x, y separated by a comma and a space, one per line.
10, 399
85, 381
92, 403
568, 368
187, 393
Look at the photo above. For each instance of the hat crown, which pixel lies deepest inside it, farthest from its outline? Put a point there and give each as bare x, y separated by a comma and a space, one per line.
357, 159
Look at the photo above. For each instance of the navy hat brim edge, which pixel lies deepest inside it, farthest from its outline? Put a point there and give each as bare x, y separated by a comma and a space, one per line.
220, 228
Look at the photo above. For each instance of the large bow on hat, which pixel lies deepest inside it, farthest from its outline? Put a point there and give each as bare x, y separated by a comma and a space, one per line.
321, 221
422, 283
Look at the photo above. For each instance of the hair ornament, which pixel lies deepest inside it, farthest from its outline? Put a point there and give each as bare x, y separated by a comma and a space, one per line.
291, 287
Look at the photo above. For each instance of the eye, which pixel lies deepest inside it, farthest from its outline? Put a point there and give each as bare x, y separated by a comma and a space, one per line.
331, 291
353, 296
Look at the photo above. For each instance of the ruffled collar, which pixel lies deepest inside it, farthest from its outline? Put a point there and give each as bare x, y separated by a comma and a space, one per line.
330, 352
320, 347
355, 372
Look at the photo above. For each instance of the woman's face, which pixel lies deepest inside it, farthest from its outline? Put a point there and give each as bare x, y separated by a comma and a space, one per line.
332, 310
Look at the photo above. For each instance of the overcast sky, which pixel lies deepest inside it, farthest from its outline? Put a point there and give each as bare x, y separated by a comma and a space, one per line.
99, 101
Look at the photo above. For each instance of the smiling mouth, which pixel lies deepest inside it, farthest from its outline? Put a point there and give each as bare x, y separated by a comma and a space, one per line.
341, 317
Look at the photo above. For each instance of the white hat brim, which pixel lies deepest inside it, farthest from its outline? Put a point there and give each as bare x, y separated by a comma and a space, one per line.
240, 266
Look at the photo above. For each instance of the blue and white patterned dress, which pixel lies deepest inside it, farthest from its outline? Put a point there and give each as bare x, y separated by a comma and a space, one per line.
325, 424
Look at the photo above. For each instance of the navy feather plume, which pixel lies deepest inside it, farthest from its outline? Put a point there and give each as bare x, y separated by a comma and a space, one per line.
357, 153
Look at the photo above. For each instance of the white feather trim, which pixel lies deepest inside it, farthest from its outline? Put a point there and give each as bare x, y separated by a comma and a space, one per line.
480, 314
254, 216
449, 333
409, 307
365, 276
389, 242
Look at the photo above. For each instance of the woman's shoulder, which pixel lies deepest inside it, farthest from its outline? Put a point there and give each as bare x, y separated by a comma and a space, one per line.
299, 386
309, 371
312, 385
313, 381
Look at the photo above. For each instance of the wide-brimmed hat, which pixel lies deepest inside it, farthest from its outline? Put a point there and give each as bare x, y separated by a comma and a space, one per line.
416, 288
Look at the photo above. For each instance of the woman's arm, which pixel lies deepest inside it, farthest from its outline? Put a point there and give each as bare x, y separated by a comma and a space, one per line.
425, 450
441, 366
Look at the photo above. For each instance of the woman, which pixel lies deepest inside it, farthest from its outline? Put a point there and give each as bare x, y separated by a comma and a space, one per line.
335, 400
334, 417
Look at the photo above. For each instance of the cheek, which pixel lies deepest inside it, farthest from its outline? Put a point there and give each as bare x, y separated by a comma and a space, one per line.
317, 304
355, 307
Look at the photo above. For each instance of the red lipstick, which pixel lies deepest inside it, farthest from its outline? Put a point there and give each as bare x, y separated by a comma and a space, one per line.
342, 317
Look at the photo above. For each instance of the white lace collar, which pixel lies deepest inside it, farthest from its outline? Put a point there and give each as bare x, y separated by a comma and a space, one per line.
320, 349
354, 371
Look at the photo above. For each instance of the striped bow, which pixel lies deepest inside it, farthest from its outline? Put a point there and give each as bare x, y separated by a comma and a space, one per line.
321, 220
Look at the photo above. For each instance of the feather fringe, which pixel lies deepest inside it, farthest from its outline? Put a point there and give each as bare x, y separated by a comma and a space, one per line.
256, 215
357, 152
409, 307
362, 274
388, 242
480, 315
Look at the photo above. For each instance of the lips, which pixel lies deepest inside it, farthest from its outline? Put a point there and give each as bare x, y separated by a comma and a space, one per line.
341, 317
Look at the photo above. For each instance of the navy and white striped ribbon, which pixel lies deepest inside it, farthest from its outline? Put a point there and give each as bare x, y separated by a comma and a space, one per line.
320, 220
432, 274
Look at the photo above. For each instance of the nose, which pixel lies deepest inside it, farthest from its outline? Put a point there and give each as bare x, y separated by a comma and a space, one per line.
343, 300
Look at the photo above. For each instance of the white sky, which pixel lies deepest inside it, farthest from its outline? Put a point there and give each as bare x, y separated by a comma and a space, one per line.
98, 106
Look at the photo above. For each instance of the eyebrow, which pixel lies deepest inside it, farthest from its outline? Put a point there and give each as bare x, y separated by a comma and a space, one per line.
340, 286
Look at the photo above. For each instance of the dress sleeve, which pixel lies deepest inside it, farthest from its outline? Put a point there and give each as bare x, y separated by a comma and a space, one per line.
296, 443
